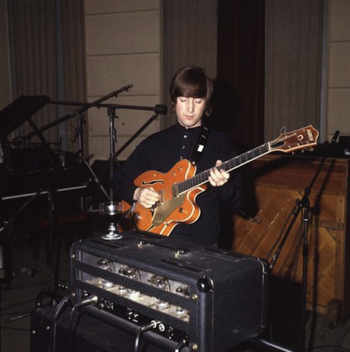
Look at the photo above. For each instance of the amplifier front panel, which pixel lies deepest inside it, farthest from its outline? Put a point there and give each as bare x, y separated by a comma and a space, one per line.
212, 298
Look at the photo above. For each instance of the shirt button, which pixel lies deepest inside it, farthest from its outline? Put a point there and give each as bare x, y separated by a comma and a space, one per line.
185, 135
183, 147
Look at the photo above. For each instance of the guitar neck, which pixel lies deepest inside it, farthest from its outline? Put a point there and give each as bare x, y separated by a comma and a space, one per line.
286, 142
228, 166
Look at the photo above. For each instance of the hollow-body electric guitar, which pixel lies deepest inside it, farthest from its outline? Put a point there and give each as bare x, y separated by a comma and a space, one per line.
179, 187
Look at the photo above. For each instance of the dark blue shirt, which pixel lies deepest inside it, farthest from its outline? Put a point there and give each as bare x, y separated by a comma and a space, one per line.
161, 151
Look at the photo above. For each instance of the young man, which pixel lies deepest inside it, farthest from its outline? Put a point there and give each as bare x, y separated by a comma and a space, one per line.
190, 91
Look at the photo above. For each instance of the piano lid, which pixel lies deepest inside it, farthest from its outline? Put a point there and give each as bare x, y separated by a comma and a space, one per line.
16, 113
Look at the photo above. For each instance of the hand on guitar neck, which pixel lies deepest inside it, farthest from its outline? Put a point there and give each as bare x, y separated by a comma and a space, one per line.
148, 196
218, 177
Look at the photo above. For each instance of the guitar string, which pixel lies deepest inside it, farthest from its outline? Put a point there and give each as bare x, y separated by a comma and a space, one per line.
201, 178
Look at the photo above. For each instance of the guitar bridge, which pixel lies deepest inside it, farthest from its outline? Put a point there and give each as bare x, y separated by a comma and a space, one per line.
162, 211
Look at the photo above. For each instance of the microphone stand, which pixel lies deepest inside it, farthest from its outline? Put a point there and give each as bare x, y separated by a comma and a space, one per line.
79, 113
158, 109
85, 106
304, 205
133, 137
113, 139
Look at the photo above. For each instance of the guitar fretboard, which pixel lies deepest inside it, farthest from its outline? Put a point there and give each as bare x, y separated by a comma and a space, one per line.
228, 166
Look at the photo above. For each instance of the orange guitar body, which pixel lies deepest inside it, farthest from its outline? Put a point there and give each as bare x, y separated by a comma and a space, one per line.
173, 208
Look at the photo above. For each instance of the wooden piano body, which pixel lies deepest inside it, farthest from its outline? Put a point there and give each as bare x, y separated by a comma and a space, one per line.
277, 182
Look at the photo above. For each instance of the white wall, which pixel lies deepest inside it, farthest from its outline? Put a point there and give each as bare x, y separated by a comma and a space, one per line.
338, 112
123, 46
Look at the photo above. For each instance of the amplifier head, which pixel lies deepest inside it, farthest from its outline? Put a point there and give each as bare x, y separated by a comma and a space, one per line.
213, 298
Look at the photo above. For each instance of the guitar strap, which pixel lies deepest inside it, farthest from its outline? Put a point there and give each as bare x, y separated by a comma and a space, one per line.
199, 147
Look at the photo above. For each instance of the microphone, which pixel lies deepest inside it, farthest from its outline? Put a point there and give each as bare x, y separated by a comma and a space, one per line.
160, 109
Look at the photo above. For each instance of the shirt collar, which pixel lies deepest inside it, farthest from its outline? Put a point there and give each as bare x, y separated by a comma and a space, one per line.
191, 131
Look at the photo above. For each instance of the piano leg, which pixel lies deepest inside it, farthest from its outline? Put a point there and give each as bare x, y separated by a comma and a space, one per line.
5, 259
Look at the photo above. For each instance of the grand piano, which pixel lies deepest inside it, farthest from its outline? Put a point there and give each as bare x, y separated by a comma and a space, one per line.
38, 192
33, 170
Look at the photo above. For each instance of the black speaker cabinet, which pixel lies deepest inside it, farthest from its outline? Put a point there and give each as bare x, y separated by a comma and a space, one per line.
211, 298
85, 331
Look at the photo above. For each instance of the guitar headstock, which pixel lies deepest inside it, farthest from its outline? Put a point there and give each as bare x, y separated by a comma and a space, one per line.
298, 139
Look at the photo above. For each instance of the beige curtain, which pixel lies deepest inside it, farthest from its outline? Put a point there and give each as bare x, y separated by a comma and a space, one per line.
33, 60
47, 58
189, 38
74, 66
293, 64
